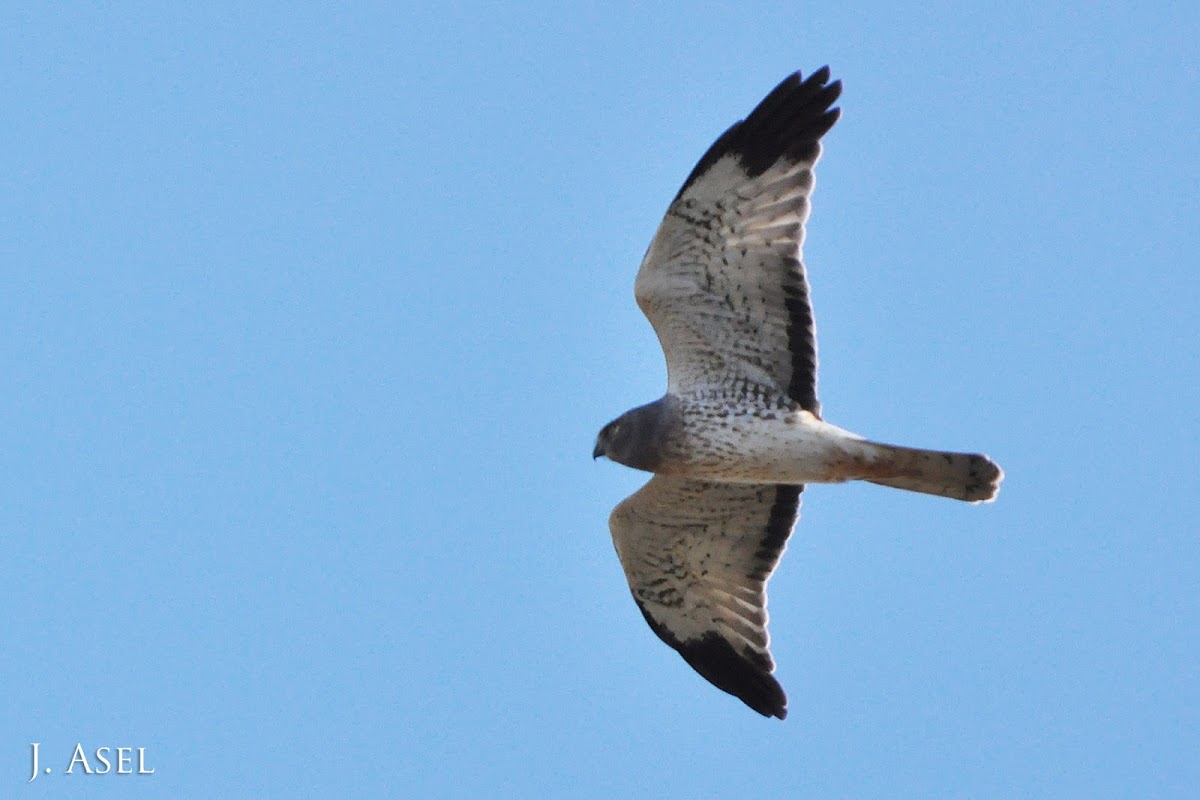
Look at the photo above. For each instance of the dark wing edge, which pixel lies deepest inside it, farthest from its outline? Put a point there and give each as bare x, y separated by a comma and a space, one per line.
744, 675
789, 122
744, 672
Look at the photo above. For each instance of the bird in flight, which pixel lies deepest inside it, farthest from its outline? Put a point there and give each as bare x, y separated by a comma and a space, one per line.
739, 431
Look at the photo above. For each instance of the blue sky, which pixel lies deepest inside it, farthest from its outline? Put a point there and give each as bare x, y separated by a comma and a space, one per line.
311, 315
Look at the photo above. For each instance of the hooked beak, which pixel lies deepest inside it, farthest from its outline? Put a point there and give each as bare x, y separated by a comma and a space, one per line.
598, 450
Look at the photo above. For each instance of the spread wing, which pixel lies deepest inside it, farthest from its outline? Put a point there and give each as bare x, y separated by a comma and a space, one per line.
723, 283
698, 556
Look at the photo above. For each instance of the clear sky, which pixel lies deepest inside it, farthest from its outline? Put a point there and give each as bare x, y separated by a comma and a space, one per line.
310, 316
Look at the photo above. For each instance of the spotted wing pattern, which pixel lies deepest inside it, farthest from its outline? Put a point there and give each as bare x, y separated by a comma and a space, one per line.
697, 556
723, 283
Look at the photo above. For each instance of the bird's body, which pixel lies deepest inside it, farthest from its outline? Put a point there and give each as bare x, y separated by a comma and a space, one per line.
739, 431
722, 438
731, 444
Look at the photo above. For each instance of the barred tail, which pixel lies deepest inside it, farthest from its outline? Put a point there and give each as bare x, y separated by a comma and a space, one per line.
961, 476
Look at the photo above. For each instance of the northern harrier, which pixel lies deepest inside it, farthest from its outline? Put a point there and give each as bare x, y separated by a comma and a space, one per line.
739, 431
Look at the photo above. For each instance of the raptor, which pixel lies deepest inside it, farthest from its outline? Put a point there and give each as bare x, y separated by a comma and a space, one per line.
739, 431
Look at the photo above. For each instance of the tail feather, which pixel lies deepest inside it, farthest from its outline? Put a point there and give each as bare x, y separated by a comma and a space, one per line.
962, 476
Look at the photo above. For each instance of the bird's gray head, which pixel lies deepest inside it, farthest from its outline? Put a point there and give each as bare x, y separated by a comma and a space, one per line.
635, 438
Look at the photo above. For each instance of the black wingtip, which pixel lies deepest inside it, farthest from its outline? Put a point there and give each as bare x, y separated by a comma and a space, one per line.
747, 675
788, 123
745, 678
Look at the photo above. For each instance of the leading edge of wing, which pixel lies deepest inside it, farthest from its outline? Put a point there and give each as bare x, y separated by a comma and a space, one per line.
790, 122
